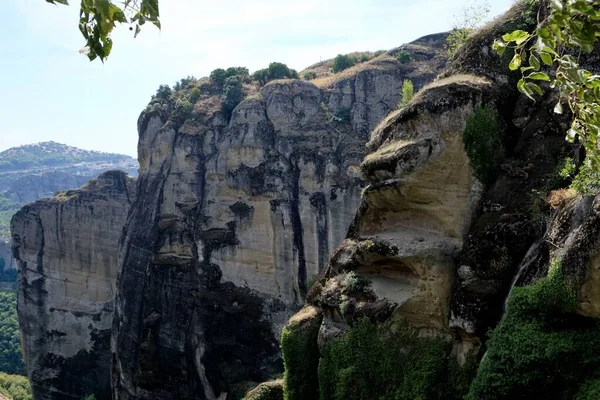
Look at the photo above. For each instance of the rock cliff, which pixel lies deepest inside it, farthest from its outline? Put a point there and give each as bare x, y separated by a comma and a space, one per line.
235, 218
465, 225
66, 249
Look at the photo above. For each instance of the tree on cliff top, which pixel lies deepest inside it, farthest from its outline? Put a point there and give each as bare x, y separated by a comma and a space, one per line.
471, 18
97, 19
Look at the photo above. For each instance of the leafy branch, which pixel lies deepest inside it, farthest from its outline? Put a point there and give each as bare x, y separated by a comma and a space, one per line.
565, 29
98, 18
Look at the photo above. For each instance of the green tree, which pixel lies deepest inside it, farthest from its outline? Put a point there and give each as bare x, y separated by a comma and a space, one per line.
232, 93
98, 18
565, 30
471, 17
408, 92
403, 56
342, 62
164, 92
219, 75
276, 70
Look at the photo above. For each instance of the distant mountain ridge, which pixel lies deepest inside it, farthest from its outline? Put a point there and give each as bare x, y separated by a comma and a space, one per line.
53, 154
34, 171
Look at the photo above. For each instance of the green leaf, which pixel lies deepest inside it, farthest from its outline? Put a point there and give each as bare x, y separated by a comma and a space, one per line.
499, 46
515, 63
535, 88
534, 62
517, 36
538, 76
546, 58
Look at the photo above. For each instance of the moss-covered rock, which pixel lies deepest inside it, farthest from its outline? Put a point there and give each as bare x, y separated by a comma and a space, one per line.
541, 349
267, 391
370, 362
301, 354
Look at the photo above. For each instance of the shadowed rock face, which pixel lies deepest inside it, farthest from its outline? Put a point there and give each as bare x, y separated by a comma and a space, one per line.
66, 251
233, 220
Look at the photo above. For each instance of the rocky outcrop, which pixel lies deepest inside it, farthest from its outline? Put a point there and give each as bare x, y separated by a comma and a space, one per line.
66, 250
466, 225
234, 221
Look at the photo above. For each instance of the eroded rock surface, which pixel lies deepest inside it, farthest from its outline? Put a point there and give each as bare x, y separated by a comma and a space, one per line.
234, 220
66, 250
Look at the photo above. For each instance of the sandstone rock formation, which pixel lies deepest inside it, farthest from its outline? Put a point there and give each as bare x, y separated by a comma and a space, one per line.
435, 251
234, 220
66, 250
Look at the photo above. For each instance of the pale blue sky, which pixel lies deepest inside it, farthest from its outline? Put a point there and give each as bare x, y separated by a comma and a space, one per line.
51, 92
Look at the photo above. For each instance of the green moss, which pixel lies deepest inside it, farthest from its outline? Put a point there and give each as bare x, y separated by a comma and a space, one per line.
482, 142
540, 349
369, 363
301, 360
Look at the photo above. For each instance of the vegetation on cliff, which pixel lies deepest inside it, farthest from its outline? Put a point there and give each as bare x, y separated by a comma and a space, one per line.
10, 339
482, 142
370, 362
541, 348
15, 386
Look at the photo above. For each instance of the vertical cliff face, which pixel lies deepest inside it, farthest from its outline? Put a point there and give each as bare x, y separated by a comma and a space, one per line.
234, 220
66, 253
466, 225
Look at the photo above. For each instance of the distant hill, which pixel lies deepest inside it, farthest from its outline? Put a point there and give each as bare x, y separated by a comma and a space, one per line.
52, 154
34, 171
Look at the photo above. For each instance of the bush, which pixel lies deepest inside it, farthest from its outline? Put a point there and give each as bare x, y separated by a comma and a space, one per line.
408, 92
164, 92
541, 349
233, 93
183, 83
309, 75
219, 75
403, 57
276, 70
482, 142
587, 180
342, 62
370, 363
195, 94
